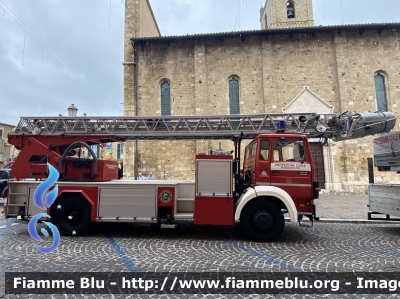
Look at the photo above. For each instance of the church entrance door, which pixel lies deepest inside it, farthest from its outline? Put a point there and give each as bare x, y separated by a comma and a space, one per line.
318, 158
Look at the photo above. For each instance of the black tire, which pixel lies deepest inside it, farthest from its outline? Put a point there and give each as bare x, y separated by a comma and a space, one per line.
262, 221
77, 208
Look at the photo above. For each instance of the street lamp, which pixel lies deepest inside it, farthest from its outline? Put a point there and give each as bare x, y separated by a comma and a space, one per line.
72, 110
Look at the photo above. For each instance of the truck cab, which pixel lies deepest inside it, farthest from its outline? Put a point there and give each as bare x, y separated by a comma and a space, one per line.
283, 161
279, 169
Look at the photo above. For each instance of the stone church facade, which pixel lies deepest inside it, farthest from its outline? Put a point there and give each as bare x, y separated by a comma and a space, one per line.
289, 66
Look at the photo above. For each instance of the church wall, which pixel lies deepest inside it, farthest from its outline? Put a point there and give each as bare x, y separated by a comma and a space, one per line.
139, 22
159, 63
340, 68
291, 63
359, 57
173, 63
199, 75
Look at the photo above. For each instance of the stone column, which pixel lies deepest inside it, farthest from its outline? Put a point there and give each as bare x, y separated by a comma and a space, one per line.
132, 18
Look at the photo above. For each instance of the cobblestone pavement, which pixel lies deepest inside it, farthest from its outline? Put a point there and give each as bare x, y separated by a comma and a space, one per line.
326, 247
344, 206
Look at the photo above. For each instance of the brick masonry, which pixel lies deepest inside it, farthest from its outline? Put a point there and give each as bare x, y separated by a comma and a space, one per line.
338, 65
139, 21
274, 14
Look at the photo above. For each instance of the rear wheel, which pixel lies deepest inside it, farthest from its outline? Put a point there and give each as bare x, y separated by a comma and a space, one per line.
71, 215
262, 221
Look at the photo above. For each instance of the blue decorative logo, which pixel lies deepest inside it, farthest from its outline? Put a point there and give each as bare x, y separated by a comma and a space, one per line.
38, 200
165, 196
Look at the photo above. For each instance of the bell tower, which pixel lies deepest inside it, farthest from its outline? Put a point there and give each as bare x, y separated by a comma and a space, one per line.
277, 14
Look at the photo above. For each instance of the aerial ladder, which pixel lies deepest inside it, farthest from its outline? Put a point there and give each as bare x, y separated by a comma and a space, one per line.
90, 192
50, 139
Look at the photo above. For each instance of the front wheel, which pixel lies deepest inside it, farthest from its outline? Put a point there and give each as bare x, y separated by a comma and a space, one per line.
262, 221
71, 215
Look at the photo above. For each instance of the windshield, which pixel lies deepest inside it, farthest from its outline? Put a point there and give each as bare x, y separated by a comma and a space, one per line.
288, 150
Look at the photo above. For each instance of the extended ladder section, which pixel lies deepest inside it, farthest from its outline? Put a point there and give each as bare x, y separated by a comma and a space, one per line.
345, 126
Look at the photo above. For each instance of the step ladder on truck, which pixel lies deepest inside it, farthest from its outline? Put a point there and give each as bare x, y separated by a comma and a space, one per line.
277, 177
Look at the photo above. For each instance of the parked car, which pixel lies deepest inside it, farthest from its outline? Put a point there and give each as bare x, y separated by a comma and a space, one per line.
4, 178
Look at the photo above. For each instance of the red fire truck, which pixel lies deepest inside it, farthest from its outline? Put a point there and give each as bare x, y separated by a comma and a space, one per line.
277, 176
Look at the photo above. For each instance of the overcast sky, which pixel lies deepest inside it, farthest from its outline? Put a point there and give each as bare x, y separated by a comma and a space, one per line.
57, 52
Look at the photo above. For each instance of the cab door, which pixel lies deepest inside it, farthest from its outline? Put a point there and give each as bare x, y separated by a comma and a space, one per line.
249, 161
263, 166
291, 171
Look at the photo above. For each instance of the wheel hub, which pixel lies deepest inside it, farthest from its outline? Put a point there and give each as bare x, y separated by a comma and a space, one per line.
263, 220
74, 217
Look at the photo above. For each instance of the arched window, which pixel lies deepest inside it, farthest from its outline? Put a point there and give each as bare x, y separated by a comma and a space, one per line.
234, 96
165, 98
290, 9
380, 90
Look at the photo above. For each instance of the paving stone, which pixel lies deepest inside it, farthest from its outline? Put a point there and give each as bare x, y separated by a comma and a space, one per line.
326, 247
